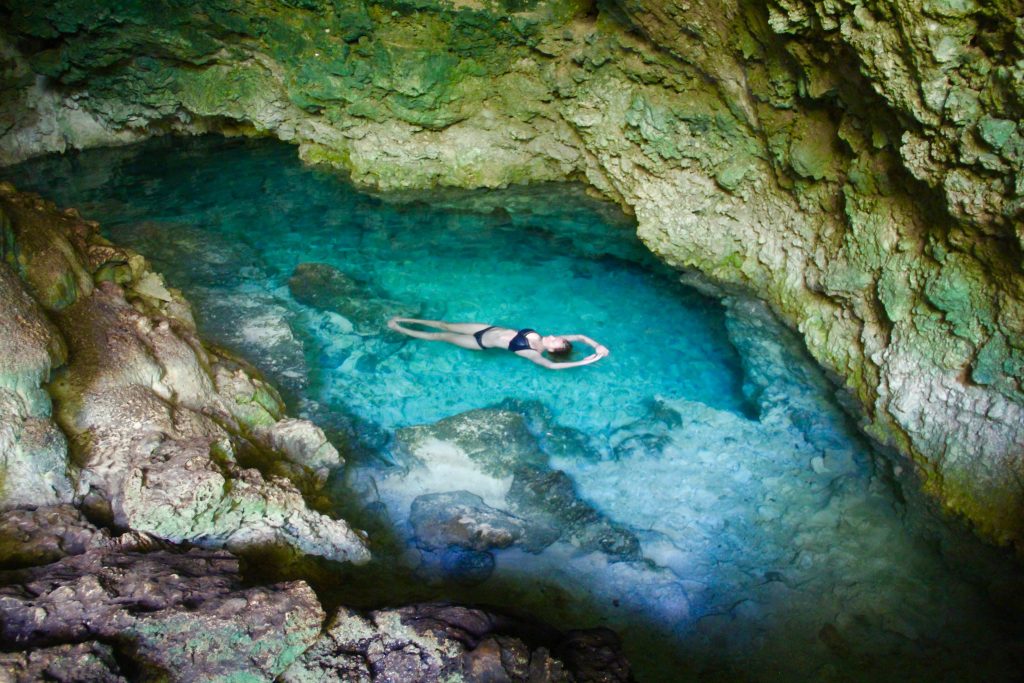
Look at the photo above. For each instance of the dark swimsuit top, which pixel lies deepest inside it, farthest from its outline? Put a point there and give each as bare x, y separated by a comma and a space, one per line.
517, 343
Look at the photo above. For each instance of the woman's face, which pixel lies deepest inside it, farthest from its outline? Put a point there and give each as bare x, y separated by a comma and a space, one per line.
555, 344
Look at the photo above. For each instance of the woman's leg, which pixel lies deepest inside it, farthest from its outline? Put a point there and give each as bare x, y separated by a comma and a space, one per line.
466, 341
459, 328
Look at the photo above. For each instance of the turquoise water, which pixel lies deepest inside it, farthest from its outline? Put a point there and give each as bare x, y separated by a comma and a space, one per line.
773, 544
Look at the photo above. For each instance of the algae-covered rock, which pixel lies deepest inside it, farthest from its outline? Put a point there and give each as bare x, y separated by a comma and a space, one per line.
33, 452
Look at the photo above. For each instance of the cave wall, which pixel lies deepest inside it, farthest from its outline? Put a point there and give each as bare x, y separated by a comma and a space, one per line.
856, 164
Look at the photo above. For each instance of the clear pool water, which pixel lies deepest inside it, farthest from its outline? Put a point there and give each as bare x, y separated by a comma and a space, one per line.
775, 544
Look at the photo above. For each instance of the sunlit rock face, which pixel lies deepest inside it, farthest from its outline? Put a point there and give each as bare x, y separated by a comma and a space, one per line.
857, 165
168, 437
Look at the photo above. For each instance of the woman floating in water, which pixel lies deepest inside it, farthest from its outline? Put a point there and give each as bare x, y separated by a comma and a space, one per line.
525, 343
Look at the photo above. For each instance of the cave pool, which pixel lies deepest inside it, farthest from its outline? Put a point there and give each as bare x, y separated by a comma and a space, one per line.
776, 545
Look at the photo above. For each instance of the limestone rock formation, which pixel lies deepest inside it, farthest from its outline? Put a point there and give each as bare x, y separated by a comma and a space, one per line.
89, 661
435, 642
856, 165
33, 466
46, 534
167, 435
185, 616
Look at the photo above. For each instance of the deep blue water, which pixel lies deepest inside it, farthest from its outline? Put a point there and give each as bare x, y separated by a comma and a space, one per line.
775, 546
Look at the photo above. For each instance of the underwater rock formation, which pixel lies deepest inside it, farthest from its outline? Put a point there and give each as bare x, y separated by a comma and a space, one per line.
858, 166
527, 502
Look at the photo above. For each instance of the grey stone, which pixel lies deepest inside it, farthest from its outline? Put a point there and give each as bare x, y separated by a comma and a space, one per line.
431, 642
186, 614
90, 661
44, 535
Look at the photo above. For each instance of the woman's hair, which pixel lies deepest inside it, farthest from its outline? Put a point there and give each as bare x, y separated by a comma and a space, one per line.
563, 347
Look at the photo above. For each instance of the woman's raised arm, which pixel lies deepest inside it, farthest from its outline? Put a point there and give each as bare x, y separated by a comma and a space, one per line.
551, 365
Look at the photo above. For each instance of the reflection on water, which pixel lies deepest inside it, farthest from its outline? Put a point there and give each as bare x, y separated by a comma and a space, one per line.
728, 523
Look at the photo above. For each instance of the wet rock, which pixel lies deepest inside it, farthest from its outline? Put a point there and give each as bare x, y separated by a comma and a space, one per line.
44, 535
90, 661
159, 424
186, 614
33, 452
325, 287
463, 519
549, 498
439, 642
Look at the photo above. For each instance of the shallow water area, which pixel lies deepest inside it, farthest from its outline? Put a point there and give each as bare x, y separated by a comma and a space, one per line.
699, 490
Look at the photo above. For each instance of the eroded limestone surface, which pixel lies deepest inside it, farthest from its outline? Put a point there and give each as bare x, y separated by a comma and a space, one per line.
441, 642
167, 436
857, 165
185, 615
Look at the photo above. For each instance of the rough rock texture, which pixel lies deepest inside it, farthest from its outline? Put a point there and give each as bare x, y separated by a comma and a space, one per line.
435, 642
33, 466
857, 165
46, 534
185, 615
168, 437
91, 661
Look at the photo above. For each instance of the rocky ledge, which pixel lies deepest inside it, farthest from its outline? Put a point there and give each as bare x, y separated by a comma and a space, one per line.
857, 165
118, 610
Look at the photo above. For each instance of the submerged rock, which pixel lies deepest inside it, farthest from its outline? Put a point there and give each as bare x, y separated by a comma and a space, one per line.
463, 519
512, 495
325, 287
435, 642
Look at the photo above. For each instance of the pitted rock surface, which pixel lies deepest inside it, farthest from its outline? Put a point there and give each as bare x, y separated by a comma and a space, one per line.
187, 614
46, 534
168, 436
90, 661
434, 642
